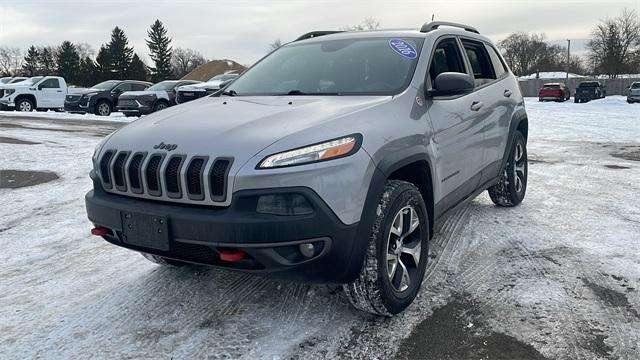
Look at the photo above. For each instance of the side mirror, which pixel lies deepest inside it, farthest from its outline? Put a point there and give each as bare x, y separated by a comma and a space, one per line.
451, 83
224, 83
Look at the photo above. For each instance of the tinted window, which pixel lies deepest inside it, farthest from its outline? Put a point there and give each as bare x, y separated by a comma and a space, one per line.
163, 85
635, 85
124, 87
498, 66
362, 66
50, 84
106, 85
446, 58
139, 87
552, 86
480, 62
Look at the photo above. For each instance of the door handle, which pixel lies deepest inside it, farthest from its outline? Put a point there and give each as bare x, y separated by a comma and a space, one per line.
59, 90
507, 93
476, 105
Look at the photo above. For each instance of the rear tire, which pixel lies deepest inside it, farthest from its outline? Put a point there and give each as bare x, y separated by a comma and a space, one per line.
397, 255
163, 261
512, 187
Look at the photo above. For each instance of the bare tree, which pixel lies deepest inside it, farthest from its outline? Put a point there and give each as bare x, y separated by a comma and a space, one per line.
185, 60
615, 43
85, 50
366, 24
275, 44
10, 60
528, 53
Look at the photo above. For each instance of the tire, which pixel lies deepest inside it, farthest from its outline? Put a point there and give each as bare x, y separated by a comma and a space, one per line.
160, 105
103, 108
374, 291
24, 105
163, 261
512, 187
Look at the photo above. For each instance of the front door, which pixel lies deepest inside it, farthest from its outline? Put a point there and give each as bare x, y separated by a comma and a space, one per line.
50, 94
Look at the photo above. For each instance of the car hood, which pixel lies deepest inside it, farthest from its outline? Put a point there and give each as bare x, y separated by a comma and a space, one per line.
201, 86
237, 127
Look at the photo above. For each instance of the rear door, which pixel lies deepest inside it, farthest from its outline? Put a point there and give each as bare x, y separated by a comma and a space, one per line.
457, 126
50, 94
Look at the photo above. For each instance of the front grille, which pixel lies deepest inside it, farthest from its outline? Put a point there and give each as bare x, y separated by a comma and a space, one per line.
73, 97
176, 178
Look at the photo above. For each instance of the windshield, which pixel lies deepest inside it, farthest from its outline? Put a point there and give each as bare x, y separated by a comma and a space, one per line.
635, 86
33, 80
105, 85
223, 77
164, 85
588, 84
5, 80
371, 66
552, 86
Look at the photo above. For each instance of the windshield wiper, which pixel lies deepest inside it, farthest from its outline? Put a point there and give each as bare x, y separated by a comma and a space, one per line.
230, 93
300, 92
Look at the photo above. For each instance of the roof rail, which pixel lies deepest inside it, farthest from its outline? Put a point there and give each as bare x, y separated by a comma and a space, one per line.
427, 27
314, 34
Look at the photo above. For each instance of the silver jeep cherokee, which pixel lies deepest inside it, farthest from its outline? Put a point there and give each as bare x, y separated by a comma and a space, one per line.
330, 160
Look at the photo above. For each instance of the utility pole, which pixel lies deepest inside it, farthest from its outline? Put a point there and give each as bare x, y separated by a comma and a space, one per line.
568, 59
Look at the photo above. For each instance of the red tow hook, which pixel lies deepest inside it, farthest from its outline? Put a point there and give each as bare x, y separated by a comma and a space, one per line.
232, 255
100, 231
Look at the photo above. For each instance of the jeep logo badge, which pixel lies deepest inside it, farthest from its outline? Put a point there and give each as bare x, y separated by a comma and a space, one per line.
163, 146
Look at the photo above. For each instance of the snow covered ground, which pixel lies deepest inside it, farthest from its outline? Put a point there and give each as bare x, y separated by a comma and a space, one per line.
557, 277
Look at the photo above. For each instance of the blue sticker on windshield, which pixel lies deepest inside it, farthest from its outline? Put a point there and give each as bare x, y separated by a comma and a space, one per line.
403, 48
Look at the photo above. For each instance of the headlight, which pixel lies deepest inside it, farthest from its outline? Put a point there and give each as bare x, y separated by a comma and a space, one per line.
331, 149
89, 95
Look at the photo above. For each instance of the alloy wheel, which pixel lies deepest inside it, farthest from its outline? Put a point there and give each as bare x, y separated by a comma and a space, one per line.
25, 106
519, 168
103, 109
404, 246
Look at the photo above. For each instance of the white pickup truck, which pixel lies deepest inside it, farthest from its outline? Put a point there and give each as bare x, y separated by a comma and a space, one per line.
36, 93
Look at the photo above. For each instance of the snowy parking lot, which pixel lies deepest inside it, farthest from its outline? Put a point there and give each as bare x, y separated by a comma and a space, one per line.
557, 277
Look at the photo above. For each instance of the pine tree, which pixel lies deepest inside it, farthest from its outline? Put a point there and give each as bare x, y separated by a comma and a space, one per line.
160, 51
103, 64
68, 62
30, 65
46, 61
120, 54
138, 70
88, 74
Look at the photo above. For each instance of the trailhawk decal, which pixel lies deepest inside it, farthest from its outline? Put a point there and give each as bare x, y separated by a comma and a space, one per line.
403, 48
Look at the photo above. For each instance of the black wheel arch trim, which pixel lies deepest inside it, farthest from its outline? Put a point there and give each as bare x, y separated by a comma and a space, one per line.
518, 117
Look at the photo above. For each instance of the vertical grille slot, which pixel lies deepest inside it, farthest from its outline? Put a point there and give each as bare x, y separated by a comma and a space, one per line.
118, 171
217, 179
194, 179
172, 177
152, 175
135, 181
104, 169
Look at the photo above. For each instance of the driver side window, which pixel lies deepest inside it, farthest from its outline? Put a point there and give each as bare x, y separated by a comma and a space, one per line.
446, 58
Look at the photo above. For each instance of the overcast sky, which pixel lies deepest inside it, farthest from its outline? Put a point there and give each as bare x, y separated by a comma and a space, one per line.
242, 29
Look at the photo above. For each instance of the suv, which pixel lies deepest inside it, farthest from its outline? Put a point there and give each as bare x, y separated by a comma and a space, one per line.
330, 160
589, 90
36, 93
191, 92
634, 93
100, 99
158, 97
554, 92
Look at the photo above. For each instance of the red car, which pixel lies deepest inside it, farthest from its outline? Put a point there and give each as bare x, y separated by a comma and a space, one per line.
554, 92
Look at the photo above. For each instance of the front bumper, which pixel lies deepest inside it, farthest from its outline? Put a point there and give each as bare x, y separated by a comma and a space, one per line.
197, 234
134, 108
633, 98
186, 96
81, 106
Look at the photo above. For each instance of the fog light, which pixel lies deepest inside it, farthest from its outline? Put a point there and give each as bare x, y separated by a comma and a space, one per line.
284, 204
307, 250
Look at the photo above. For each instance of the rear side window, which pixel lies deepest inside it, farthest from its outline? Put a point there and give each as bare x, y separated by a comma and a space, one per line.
480, 62
50, 84
125, 87
446, 58
139, 87
498, 66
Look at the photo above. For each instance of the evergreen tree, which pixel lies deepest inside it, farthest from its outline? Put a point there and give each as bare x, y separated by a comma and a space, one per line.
160, 51
103, 64
46, 61
68, 62
138, 70
88, 74
120, 54
30, 65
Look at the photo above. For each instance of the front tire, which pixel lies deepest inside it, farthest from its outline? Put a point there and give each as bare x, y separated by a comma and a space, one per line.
397, 255
512, 187
103, 108
160, 105
24, 105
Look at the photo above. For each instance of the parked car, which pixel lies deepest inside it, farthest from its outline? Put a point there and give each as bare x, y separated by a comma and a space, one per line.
11, 79
101, 98
589, 90
554, 92
187, 93
157, 97
330, 160
36, 93
633, 95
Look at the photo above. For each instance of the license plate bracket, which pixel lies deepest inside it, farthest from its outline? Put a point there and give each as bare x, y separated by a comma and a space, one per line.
144, 230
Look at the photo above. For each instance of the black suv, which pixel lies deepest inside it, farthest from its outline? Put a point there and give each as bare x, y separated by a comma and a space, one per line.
590, 90
101, 98
158, 97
